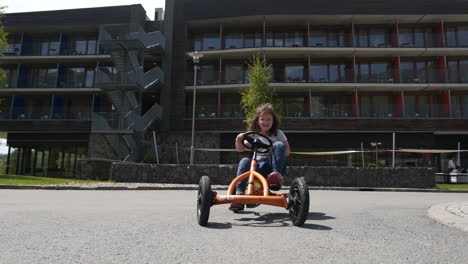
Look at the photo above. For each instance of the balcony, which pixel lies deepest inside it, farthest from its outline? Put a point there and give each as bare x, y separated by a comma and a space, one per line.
339, 111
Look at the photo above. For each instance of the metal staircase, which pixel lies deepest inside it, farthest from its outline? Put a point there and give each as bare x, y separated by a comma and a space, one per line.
124, 84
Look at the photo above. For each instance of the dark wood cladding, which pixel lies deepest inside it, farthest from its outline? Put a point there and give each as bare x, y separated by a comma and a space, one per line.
404, 125
44, 126
82, 16
204, 9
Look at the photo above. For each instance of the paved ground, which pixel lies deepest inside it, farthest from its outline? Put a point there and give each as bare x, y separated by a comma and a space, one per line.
45, 226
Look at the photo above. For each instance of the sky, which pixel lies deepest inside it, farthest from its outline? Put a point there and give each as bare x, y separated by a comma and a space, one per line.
3, 147
16, 6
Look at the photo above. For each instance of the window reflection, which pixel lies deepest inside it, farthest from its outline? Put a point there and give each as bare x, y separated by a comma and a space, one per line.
294, 73
233, 73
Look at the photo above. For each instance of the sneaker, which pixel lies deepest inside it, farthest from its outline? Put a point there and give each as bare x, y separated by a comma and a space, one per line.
275, 179
251, 205
237, 207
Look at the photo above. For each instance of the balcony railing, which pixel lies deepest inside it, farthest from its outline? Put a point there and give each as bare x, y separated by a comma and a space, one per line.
45, 113
340, 111
207, 111
320, 39
106, 76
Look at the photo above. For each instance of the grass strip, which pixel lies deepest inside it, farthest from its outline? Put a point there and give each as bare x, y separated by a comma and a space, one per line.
452, 186
34, 180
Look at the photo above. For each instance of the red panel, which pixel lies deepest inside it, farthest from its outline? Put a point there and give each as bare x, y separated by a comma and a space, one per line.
354, 106
440, 35
352, 65
442, 67
350, 33
445, 104
399, 104
396, 69
395, 35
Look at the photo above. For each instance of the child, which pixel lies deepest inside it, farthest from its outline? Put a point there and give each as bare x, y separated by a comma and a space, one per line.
272, 164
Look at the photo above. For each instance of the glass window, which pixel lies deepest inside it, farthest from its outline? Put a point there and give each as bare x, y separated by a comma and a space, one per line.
377, 38
420, 37
249, 41
92, 47
363, 38
279, 39
197, 44
462, 36
75, 77
421, 75
89, 78
452, 71
451, 39
295, 73
211, 41
463, 71
208, 75
269, 39
234, 73
381, 72
233, 41
407, 73
51, 78
318, 38
337, 72
364, 73
318, 73
295, 39
258, 40
405, 38
80, 47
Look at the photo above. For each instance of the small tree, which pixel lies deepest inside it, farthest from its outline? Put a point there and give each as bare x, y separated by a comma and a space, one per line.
3, 47
258, 92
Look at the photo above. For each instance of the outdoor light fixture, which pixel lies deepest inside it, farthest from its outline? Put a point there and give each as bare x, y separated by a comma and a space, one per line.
196, 59
376, 146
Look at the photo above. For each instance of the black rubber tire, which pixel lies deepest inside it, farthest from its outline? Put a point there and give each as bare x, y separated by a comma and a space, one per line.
204, 200
299, 201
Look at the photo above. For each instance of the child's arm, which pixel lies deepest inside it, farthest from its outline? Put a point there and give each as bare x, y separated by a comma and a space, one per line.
288, 148
239, 146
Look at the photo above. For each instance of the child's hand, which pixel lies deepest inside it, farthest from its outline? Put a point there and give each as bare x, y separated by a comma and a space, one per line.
240, 137
239, 146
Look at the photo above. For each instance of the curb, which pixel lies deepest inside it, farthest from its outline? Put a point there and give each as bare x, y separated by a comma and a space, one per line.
442, 214
189, 187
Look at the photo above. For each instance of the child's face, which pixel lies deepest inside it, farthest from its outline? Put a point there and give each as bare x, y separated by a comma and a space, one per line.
265, 122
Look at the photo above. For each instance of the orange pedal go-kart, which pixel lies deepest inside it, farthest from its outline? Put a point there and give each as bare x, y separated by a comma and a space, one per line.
258, 189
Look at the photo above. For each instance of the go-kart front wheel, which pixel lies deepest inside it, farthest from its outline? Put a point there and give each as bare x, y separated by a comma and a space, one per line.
298, 201
204, 200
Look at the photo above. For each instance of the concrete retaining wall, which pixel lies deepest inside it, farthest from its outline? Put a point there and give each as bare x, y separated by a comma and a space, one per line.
223, 174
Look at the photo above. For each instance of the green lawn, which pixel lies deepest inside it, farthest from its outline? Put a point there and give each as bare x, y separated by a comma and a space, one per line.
452, 186
33, 180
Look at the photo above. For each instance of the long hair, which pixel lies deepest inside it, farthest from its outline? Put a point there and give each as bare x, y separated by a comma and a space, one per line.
253, 122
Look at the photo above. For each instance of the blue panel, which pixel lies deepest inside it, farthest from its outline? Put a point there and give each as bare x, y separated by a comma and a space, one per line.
97, 103
26, 46
57, 111
64, 44
18, 107
22, 76
61, 76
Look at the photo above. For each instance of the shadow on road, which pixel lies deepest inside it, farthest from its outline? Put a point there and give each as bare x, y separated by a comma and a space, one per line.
250, 218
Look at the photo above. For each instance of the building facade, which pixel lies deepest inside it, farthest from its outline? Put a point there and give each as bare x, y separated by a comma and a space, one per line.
81, 83
92, 82
347, 73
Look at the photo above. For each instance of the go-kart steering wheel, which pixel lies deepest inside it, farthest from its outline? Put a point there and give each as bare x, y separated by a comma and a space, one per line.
256, 141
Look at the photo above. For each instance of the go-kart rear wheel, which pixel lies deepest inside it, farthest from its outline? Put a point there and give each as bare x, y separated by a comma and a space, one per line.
204, 200
298, 201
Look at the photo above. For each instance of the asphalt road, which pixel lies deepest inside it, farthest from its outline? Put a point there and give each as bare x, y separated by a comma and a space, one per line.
38, 226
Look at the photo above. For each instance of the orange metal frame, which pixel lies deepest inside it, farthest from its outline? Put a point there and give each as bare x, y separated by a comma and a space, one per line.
252, 196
